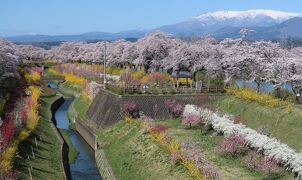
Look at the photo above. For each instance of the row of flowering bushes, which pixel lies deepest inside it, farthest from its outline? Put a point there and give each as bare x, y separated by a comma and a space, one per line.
253, 95
90, 88
81, 70
185, 153
12, 139
137, 79
269, 146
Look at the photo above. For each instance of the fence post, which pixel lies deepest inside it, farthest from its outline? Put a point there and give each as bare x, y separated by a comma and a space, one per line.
29, 172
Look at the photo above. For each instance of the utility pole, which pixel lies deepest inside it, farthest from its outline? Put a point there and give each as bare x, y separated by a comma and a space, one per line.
104, 73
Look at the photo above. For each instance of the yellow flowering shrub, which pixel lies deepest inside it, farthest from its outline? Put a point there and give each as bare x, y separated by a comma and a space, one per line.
32, 77
74, 79
192, 169
252, 95
54, 72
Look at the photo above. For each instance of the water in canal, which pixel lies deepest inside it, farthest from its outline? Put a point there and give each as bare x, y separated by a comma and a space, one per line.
85, 166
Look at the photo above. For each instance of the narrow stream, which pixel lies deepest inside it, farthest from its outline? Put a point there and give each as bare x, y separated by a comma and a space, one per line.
85, 166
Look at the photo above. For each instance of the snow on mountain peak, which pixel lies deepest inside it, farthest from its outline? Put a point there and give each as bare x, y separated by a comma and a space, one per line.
250, 14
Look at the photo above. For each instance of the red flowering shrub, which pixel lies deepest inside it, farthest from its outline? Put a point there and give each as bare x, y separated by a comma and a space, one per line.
8, 130
158, 128
234, 144
130, 108
237, 120
191, 120
24, 115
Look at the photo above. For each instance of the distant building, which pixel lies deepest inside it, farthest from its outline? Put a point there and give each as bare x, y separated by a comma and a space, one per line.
182, 78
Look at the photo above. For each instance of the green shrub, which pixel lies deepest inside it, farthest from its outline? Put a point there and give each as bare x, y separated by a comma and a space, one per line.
283, 94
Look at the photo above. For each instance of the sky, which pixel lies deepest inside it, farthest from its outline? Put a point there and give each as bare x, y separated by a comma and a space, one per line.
58, 17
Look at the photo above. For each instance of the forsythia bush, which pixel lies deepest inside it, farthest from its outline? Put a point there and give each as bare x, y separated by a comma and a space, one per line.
253, 95
53, 71
74, 79
32, 76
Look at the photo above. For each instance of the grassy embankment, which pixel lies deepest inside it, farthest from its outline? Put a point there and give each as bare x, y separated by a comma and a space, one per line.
230, 167
134, 155
47, 161
285, 126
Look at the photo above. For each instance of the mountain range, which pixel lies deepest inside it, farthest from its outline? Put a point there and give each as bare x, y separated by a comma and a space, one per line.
266, 24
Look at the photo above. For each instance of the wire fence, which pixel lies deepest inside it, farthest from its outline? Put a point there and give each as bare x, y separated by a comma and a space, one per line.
163, 90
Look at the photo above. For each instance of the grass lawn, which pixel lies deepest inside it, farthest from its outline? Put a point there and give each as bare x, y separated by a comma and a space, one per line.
281, 124
70, 89
72, 153
134, 155
47, 164
230, 167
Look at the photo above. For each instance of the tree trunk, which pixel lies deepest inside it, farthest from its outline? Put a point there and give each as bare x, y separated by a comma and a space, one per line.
258, 86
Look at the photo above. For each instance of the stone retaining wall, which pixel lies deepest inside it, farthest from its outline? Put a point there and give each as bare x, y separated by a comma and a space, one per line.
104, 166
87, 134
105, 109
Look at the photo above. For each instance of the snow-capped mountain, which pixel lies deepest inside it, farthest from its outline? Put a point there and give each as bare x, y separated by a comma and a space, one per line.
211, 22
252, 16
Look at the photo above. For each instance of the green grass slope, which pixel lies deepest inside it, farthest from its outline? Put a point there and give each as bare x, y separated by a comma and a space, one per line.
133, 155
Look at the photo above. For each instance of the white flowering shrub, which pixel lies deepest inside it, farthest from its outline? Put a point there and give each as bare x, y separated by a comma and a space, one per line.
269, 146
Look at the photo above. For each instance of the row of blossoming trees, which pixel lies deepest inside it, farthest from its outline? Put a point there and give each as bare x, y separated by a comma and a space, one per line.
259, 61
19, 118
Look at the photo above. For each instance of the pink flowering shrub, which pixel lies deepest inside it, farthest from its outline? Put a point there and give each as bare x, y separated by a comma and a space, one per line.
144, 117
255, 161
37, 69
175, 156
233, 145
192, 153
170, 103
191, 120
210, 171
175, 109
159, 78
130, 108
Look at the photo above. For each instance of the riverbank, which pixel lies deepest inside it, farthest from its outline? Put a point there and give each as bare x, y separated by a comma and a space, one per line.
72, 152
47, 161
278, 122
